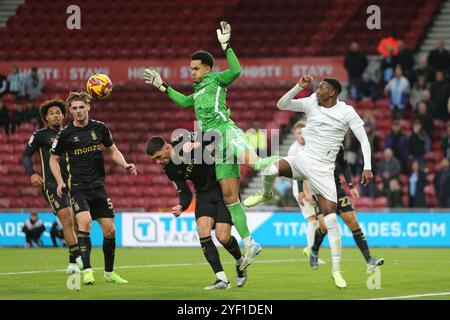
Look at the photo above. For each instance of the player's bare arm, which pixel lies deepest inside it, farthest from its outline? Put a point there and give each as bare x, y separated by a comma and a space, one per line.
118, 159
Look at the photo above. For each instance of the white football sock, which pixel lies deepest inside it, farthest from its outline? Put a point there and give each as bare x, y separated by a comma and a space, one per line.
334, 238
312, 226
269, 175
239, 261
221, 276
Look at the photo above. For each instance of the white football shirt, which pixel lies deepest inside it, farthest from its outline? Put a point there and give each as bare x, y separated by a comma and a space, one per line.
326, 126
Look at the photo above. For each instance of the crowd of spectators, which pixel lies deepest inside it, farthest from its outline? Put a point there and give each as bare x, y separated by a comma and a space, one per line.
418, 94
27, 90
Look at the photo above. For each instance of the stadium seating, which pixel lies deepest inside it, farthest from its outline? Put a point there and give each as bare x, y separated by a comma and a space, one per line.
151, 29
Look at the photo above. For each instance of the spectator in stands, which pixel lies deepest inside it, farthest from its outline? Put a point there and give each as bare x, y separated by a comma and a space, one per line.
418, 91
4, 116
417, 184
16, 117
33, 229
398, 91
394, 194
369, 120
419, 143
423, 70
388, 68
427, 99
442, 184
15, 82
388, 45
355, 62
33, 85
440, 96
439, 58
398, 142
367, 88
445, 142
3, 85
425, 119
405, 59
353, 91
389, 168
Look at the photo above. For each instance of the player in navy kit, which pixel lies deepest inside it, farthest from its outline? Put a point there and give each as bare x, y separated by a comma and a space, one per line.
180, 164
80, 143
53, 113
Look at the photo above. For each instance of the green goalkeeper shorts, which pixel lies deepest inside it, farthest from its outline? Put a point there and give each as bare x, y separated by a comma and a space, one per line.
232, 143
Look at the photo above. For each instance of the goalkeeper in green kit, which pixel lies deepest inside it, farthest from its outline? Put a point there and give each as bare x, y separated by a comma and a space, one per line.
209, 102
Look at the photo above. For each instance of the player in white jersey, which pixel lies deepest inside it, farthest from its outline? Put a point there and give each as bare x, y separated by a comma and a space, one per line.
302, 193
328, 121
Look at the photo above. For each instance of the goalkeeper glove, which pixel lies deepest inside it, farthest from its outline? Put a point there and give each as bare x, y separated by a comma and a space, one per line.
153, 77
224, 34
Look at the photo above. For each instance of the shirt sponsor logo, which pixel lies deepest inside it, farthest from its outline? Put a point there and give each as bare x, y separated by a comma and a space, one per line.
80, 151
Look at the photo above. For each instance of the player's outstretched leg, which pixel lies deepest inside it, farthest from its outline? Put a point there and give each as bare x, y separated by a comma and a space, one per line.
109, 250
351, 221
269, 174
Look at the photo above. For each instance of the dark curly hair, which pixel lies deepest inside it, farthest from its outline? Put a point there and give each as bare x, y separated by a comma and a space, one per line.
43, 109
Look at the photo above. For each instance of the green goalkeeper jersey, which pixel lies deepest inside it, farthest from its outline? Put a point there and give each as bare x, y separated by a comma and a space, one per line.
209, 98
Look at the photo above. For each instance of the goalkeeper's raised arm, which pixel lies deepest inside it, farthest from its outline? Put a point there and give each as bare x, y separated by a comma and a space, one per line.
227, 76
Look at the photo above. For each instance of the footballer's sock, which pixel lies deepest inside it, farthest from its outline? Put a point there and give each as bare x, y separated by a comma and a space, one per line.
211, 255
84, 241
109, 251
239, 219
334, 237
269, 177
233, 248
312, 226
74, 252
360, 240
221, 276
263, 163
318, 239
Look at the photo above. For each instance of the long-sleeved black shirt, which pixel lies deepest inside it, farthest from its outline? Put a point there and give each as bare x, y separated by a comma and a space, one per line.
200, 171
42, 140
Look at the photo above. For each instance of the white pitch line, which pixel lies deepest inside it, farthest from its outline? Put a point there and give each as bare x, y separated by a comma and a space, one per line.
148, 266
413, 296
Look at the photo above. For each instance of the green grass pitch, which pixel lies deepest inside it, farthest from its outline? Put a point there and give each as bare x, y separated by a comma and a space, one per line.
181, 273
